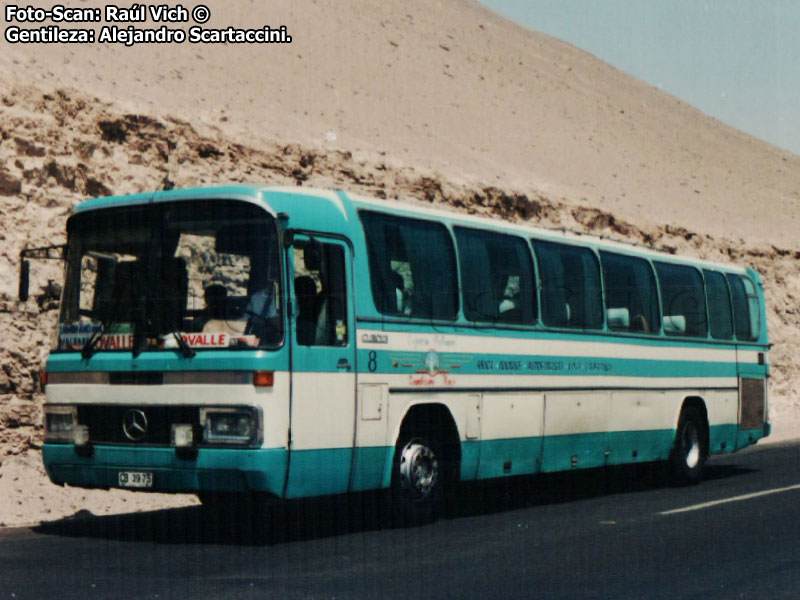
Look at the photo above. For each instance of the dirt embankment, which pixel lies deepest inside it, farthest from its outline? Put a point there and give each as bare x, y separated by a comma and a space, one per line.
59, 148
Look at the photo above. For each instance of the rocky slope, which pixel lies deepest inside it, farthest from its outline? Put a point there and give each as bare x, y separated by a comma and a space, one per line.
59, 148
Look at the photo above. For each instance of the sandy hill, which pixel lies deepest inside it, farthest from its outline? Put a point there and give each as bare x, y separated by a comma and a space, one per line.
439, 100
449, 86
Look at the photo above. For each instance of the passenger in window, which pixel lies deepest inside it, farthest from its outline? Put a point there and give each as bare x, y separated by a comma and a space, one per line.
263, 320
509, 307
401, 297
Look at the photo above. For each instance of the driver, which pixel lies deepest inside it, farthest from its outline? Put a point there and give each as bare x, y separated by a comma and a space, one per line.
263, 320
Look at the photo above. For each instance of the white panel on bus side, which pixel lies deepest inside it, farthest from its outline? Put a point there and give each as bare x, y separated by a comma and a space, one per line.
576, 430
634, 412
372, 401
722, 406
640, 410
473, 428
509, 415
569, 413
373, 410
322, 410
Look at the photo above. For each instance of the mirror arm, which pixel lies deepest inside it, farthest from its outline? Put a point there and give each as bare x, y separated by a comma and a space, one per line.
58, 252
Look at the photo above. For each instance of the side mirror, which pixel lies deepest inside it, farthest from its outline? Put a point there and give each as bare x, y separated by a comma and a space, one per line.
24, 279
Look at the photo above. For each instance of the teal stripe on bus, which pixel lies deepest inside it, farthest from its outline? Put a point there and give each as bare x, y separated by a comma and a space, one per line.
531, 364
204, 360
328, 471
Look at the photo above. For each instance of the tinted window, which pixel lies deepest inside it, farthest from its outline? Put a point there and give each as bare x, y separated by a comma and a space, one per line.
720, 320
570, 286
682, 300
138, 277
320, 286
496, 277
745, 307
412, 267
631, 295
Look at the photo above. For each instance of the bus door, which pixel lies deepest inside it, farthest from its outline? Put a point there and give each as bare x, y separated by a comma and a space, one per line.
323, 373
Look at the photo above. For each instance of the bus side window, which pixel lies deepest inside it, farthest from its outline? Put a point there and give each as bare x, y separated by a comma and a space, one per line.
720, 319
412, 266
682, 299
631, 296
570, 280
496, 277
320, 287
745, 307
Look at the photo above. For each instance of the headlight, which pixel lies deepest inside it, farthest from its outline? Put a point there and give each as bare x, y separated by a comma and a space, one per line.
240, 426
59, 422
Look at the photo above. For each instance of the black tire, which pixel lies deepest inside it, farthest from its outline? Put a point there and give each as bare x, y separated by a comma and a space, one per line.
418, 478
690, 452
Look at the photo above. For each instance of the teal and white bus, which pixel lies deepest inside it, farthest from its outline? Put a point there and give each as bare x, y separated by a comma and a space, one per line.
293, 342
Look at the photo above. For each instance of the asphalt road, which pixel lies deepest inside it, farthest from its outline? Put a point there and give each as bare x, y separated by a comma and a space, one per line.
598, 534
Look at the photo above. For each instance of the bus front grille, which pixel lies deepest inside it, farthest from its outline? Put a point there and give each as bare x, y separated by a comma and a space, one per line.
140, 425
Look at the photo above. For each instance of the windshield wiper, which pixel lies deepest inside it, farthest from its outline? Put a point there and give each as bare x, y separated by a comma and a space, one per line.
188, 351
88, 349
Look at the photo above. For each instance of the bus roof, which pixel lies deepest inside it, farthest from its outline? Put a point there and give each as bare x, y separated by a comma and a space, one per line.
329, 210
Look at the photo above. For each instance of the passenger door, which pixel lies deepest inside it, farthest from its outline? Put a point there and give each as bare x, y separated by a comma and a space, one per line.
322, 366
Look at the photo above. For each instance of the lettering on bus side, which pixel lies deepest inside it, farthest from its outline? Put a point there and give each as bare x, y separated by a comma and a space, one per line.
375, 338
510, 365
486, 365
537, 366
545, 365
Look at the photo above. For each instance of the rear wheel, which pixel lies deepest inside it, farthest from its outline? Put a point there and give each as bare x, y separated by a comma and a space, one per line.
690, 451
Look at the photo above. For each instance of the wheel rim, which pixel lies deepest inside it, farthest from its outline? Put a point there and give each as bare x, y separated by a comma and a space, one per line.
419, 469
690, 444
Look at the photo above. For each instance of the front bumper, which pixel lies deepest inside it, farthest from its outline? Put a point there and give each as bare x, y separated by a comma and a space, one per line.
212, 470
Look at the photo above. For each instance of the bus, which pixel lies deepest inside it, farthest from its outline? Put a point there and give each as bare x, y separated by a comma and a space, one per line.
291, 342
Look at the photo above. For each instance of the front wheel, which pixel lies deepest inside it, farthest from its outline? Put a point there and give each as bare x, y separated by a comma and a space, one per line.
417, 480
691, 447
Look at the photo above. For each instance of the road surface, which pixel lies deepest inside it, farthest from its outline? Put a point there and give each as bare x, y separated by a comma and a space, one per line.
609, 533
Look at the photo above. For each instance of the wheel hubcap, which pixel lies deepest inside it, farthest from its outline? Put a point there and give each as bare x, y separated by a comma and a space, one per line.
419, 469
690, 443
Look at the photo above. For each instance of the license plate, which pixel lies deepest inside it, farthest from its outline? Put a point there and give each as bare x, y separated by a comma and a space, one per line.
135, 479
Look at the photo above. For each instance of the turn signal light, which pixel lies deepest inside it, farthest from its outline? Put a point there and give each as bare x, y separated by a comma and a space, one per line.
263, 378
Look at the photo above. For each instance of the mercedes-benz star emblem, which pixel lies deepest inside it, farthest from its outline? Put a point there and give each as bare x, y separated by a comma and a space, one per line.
134, 425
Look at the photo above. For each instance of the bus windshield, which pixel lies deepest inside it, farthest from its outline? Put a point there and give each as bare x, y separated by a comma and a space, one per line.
191, 275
